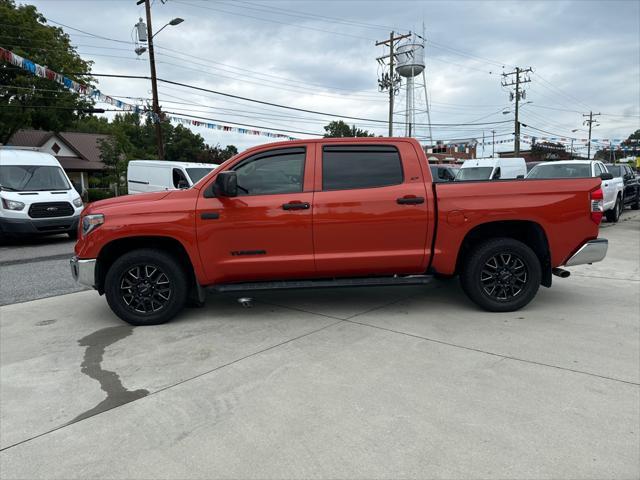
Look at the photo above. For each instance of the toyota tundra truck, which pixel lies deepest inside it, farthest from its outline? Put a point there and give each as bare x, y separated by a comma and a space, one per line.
330, 213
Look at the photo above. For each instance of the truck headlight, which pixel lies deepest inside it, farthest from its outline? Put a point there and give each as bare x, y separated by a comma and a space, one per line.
78, 202
12, 204
91, 222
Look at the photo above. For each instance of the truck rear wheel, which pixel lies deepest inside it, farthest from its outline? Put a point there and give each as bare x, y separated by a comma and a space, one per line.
146, 287
613, 215
501, 275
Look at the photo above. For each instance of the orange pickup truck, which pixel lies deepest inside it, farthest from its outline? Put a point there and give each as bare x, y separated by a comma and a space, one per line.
334, 212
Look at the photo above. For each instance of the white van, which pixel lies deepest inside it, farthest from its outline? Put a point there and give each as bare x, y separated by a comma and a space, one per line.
157, 175
36, 196
492, 169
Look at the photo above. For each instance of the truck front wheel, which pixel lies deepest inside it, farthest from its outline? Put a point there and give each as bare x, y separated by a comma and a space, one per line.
501, 275
146, 287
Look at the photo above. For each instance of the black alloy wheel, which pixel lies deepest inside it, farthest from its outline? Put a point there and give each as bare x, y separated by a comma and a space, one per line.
145, 288
501, 274
504, 276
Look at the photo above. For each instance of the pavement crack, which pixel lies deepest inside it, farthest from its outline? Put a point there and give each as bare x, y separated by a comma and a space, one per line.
109, 381
494, 354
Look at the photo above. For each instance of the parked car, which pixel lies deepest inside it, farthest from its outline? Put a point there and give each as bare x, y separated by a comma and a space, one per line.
443, 173
612, 187
530, 165
335, 212
157, 175
492, 169
36, 196
631, 195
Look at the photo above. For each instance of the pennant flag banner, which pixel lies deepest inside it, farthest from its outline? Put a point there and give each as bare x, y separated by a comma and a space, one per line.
227, 128
44, 72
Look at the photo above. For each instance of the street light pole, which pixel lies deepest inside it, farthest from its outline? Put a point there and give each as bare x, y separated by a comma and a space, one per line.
154, 83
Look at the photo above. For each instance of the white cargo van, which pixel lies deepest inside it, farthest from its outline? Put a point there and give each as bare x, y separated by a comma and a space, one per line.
36, 196
492, 169
156, 175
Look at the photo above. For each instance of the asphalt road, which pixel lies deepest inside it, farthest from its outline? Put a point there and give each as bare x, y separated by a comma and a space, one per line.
35, 268
405, 382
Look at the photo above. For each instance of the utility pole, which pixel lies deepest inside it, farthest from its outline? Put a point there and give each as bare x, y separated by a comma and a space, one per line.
572, 149
493, 142
154, 81
518, 95
390, 81
590, 123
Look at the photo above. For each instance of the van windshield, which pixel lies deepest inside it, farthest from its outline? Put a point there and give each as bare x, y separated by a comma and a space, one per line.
474, 173
22, 178
197, 173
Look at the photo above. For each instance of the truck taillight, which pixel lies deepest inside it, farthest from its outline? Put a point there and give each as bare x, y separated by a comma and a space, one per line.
596, 199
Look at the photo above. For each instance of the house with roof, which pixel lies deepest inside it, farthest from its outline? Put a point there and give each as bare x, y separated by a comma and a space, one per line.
78, 153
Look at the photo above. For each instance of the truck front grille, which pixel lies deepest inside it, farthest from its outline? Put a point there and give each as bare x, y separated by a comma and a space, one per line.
50, 210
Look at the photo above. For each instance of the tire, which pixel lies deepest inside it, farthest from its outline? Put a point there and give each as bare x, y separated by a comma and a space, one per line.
613, 215
146, 287
636, 203
516, 280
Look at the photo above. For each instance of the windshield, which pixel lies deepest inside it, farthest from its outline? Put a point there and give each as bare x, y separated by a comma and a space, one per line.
197, 173
615, 170
564, 170
21, 178
474, 173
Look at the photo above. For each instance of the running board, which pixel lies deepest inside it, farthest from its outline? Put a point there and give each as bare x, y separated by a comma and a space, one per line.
326, 283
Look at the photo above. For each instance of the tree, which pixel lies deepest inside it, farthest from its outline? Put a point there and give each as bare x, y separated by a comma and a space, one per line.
615, 154
182, 145
217, 154
339, 129
25, 99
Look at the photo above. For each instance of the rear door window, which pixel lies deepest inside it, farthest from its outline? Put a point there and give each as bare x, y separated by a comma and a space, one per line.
353, 167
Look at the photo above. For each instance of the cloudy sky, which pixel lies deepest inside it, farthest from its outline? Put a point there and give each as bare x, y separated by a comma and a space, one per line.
321, 56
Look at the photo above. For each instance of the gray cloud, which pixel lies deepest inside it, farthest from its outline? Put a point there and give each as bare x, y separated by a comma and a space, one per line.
588, 52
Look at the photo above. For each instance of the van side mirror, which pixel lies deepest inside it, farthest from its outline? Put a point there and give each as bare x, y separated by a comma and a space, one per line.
606, 176
520, 176
226, 184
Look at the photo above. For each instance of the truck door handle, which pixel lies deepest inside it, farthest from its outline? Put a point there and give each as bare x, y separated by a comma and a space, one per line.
296, 206
410, 200
209, 216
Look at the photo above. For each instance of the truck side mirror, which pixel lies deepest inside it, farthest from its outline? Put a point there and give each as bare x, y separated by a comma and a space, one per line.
226, 184
606, 176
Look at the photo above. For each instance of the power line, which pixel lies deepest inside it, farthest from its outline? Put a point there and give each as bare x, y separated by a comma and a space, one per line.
95, 35
262, 19
262, 102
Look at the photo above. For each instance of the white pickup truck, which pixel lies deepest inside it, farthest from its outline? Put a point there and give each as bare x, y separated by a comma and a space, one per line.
612, 187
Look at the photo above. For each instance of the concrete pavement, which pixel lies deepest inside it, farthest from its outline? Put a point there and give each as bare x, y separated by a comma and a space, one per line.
353, 383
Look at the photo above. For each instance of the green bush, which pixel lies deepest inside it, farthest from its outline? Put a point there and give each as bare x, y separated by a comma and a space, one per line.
96, 194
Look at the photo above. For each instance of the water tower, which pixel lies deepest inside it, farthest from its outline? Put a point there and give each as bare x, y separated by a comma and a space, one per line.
410, 65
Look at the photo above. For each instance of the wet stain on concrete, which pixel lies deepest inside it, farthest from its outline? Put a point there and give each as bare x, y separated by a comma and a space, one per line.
45, 322
110, 383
